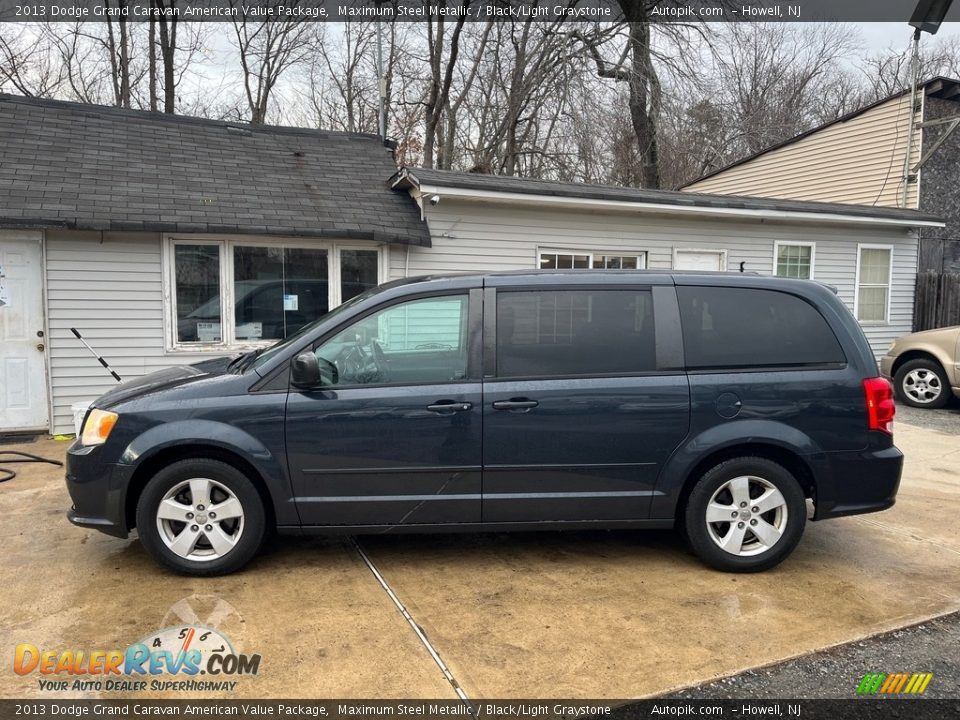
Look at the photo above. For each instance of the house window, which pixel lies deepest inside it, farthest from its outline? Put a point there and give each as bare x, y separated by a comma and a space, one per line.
874, 270
230, 293
793, 260
568, 260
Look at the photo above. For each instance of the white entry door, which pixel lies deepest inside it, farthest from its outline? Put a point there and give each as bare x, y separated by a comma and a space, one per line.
23, 386
699, 259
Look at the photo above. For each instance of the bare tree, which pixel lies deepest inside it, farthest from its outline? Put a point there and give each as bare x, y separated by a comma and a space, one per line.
27, 65
268, 49
634, 62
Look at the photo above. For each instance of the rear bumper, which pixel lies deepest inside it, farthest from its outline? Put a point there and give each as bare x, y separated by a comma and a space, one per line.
98, 491
861, 482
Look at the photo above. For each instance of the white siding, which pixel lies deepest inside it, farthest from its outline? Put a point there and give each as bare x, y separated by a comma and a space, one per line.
857, 161
110, 288
485, 237
111, 291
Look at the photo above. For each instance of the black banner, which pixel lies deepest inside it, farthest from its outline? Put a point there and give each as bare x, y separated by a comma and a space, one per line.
470, 10
915, 708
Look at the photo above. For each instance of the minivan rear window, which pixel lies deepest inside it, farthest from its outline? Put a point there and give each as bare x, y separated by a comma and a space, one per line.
725, 327
574, 332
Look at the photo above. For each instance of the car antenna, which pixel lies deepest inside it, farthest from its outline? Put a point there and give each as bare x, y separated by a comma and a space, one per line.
98, 357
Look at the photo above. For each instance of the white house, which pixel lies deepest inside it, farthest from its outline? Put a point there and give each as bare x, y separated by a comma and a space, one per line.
166, 240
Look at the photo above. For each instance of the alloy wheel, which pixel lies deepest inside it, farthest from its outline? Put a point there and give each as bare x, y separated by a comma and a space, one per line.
746, 516
922, 386
200, 519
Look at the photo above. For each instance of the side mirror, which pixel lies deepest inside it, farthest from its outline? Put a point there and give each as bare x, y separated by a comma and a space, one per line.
305, 371
309, 371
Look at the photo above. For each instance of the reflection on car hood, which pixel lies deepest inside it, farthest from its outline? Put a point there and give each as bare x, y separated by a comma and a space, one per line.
162, 380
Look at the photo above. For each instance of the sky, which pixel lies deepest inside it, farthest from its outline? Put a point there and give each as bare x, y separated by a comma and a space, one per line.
879, 36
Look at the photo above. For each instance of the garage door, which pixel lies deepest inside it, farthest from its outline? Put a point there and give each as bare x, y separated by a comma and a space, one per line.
23, 387
699, 260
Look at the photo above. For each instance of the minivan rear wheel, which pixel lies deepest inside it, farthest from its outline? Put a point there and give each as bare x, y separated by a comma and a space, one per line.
745, 515
201, 517
922, 383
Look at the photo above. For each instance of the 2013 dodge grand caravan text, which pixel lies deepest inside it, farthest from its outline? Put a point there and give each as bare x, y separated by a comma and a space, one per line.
719, 403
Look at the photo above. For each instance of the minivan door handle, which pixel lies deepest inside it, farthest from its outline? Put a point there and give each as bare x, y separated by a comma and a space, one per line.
515, 404
448, 407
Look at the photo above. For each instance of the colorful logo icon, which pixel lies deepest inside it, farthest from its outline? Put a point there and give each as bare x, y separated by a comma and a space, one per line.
900, 683
180, 650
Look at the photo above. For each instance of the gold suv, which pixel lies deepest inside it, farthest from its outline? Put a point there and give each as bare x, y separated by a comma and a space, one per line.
924, 367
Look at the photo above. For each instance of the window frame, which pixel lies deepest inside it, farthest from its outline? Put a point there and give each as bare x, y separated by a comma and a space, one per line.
226, 244
592, 254
856, 284
777, 244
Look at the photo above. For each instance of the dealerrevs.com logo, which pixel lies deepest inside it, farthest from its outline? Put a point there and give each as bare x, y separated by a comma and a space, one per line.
178, 654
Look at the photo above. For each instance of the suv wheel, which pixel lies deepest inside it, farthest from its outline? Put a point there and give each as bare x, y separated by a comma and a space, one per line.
745, 515
922, 384
201, 517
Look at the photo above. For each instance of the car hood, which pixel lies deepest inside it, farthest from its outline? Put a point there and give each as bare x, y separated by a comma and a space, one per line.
162, 380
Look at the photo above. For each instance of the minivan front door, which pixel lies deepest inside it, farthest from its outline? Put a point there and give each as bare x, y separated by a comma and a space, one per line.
578, 420
393, 436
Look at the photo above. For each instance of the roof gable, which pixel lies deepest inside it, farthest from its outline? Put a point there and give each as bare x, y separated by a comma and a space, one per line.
939, 86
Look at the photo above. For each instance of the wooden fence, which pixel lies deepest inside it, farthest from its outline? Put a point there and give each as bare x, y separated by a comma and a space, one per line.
936, 300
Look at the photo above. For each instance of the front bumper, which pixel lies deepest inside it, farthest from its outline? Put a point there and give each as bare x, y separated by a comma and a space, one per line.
861, 482
886, 366
98, 491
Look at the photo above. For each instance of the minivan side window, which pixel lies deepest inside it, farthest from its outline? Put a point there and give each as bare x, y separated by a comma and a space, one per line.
418, 341
725, 327
549, 333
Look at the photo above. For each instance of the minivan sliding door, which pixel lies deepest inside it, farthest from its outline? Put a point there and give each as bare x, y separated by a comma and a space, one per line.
577, 420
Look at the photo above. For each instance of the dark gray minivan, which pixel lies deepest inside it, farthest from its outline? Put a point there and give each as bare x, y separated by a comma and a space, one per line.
719, 403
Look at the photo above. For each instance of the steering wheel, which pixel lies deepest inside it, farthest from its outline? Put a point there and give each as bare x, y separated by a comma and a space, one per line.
380, 359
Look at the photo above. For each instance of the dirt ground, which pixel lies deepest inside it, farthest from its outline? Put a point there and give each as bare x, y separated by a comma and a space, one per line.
579, 615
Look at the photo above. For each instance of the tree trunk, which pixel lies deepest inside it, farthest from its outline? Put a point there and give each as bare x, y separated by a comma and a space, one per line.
153, 63
644, 95
168, 48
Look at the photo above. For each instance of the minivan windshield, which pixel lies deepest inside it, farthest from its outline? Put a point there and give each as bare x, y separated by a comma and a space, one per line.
274, 350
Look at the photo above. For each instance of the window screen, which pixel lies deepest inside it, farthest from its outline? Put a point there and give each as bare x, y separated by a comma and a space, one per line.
740, 327
574, 332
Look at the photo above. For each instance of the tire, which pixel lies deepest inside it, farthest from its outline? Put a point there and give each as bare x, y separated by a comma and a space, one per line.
782, 523
922, 383
201, 543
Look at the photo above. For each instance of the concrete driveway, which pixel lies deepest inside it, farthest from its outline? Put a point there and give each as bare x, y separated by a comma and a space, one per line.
582, 615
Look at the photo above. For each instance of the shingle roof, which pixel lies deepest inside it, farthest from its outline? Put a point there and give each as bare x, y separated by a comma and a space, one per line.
87, 167
613, 193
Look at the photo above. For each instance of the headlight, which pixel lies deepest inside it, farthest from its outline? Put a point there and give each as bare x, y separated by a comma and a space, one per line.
892, 346
97, 427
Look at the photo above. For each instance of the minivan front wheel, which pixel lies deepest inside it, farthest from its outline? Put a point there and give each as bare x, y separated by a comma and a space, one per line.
745, 515
201, 517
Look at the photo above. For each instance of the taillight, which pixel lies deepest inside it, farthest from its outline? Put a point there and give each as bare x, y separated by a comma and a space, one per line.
880, 407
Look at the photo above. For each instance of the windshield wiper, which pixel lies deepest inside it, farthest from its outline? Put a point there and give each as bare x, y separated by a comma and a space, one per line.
247, 359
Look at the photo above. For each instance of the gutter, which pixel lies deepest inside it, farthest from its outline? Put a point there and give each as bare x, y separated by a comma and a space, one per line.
575, 203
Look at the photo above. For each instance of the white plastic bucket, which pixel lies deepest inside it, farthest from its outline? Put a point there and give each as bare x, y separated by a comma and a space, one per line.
79, 411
